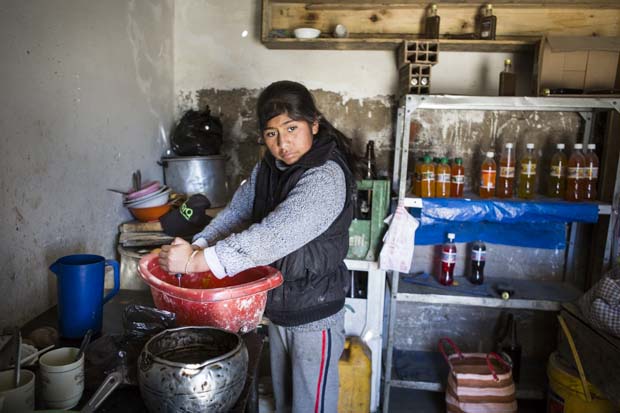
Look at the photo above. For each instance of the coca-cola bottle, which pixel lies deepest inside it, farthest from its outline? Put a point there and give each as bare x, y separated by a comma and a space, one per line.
478, 258
448, 261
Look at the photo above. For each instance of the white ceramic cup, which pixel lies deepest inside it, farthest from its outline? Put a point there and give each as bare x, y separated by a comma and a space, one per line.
62, 378
19, 399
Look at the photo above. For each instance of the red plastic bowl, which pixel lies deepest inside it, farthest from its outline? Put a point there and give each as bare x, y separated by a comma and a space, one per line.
234, 303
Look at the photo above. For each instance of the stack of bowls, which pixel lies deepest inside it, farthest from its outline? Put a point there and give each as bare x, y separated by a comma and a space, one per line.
150, 202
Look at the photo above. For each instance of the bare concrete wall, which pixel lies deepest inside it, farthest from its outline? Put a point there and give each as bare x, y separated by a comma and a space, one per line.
87, 92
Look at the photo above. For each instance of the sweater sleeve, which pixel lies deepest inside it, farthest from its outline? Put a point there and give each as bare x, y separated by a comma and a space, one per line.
309, 209
234, 217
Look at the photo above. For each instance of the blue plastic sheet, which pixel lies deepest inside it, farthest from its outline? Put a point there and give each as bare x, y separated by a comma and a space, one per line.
532, 224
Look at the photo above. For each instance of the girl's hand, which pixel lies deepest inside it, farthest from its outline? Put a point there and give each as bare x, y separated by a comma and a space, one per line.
175, 258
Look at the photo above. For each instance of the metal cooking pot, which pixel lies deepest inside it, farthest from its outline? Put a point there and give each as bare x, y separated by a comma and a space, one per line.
192, 369
198, 175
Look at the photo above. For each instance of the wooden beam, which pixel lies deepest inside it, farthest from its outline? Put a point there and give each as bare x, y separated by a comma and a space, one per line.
574, 18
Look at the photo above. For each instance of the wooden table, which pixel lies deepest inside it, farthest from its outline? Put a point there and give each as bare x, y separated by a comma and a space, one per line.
126, 398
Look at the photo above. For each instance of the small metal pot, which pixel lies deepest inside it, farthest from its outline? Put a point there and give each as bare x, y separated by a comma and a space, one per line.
198, 175
192, 369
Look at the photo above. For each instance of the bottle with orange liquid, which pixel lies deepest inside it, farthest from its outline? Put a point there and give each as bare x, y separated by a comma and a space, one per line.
591, 173
556, 186
457, 178
576, 173
488, 172
417, 177
427, 172
505, 181
442, 179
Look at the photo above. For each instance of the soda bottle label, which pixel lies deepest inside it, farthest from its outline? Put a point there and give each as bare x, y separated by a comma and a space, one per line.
443, 178
488, 180
507, 171
478, 255
557, 171
458, 179
528, 169
576, 172
448, 257
592, 172
428, 176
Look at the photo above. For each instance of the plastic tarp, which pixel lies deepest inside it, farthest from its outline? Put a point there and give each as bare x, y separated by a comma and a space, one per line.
534, 224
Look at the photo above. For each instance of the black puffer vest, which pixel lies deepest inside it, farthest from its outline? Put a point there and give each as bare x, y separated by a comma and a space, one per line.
316, 279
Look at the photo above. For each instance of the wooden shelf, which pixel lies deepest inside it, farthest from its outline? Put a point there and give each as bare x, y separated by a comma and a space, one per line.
427, 370
371, 42
529, 294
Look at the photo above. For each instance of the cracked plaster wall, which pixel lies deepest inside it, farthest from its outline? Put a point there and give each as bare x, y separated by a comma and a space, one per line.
87, 98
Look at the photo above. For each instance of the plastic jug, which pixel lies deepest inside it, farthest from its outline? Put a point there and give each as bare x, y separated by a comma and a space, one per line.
80, 292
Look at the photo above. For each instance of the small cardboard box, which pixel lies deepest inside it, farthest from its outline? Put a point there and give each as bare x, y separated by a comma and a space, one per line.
586, 63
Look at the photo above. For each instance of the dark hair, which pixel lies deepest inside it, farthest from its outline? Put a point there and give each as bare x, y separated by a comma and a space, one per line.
294, 100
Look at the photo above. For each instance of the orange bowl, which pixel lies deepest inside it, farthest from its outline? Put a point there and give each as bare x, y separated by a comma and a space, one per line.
150, 213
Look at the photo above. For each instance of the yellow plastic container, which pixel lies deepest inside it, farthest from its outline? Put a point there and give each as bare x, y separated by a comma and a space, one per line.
355, 374
566, 393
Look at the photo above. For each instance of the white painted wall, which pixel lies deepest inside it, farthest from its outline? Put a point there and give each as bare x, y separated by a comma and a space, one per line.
86, 89
212, 52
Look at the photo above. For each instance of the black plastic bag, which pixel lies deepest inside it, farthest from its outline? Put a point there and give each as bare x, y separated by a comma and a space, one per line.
197, 134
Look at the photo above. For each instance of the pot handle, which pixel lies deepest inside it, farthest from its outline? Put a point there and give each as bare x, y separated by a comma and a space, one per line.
163, 163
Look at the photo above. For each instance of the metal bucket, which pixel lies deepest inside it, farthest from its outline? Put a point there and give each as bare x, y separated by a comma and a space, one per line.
198, 175
192, 369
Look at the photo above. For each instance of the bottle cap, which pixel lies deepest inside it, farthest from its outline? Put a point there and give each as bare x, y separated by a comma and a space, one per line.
546, 92
427, 159
458, 161
529, 146
444, 161
505, 295
508, 146
451, 236
433, 6
591, 146
578, 146
560, 146
490, 154
436, 159
489, 6
507, 62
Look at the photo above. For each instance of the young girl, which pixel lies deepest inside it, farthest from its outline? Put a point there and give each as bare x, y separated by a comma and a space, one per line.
292, 213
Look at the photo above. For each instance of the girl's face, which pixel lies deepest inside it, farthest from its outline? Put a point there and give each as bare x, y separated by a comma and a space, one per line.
288, 139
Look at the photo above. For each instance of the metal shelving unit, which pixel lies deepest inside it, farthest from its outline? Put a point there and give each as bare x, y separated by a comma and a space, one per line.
537, 295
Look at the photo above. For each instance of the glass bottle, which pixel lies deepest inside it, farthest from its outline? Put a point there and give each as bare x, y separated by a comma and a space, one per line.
457, 179
478, 259
427, 187
488, 173
591, 173
576, 173
505, 181
557, 175
527, 177
417, 178
431, 23
488, 24
365, 197
442, 179
507, 80
448, 261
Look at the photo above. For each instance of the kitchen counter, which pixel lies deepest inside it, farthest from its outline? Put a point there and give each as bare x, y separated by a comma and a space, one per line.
126, 398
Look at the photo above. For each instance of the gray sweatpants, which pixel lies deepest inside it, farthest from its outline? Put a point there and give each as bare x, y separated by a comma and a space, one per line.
304, 368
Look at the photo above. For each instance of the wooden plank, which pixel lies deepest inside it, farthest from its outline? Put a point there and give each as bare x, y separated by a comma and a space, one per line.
137, 226
139, 239
513, 20
389, 43
599, 353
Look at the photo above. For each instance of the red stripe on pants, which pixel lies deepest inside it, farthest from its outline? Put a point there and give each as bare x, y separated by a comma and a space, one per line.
318, 385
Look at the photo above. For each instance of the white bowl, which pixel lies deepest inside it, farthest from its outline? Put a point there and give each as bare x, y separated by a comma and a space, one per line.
157, 200
306, 33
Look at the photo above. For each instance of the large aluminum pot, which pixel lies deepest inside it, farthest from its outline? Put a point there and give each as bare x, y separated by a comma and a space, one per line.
192, 369
198, 175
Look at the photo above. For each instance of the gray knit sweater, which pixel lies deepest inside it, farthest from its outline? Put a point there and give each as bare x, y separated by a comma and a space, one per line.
235, 244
